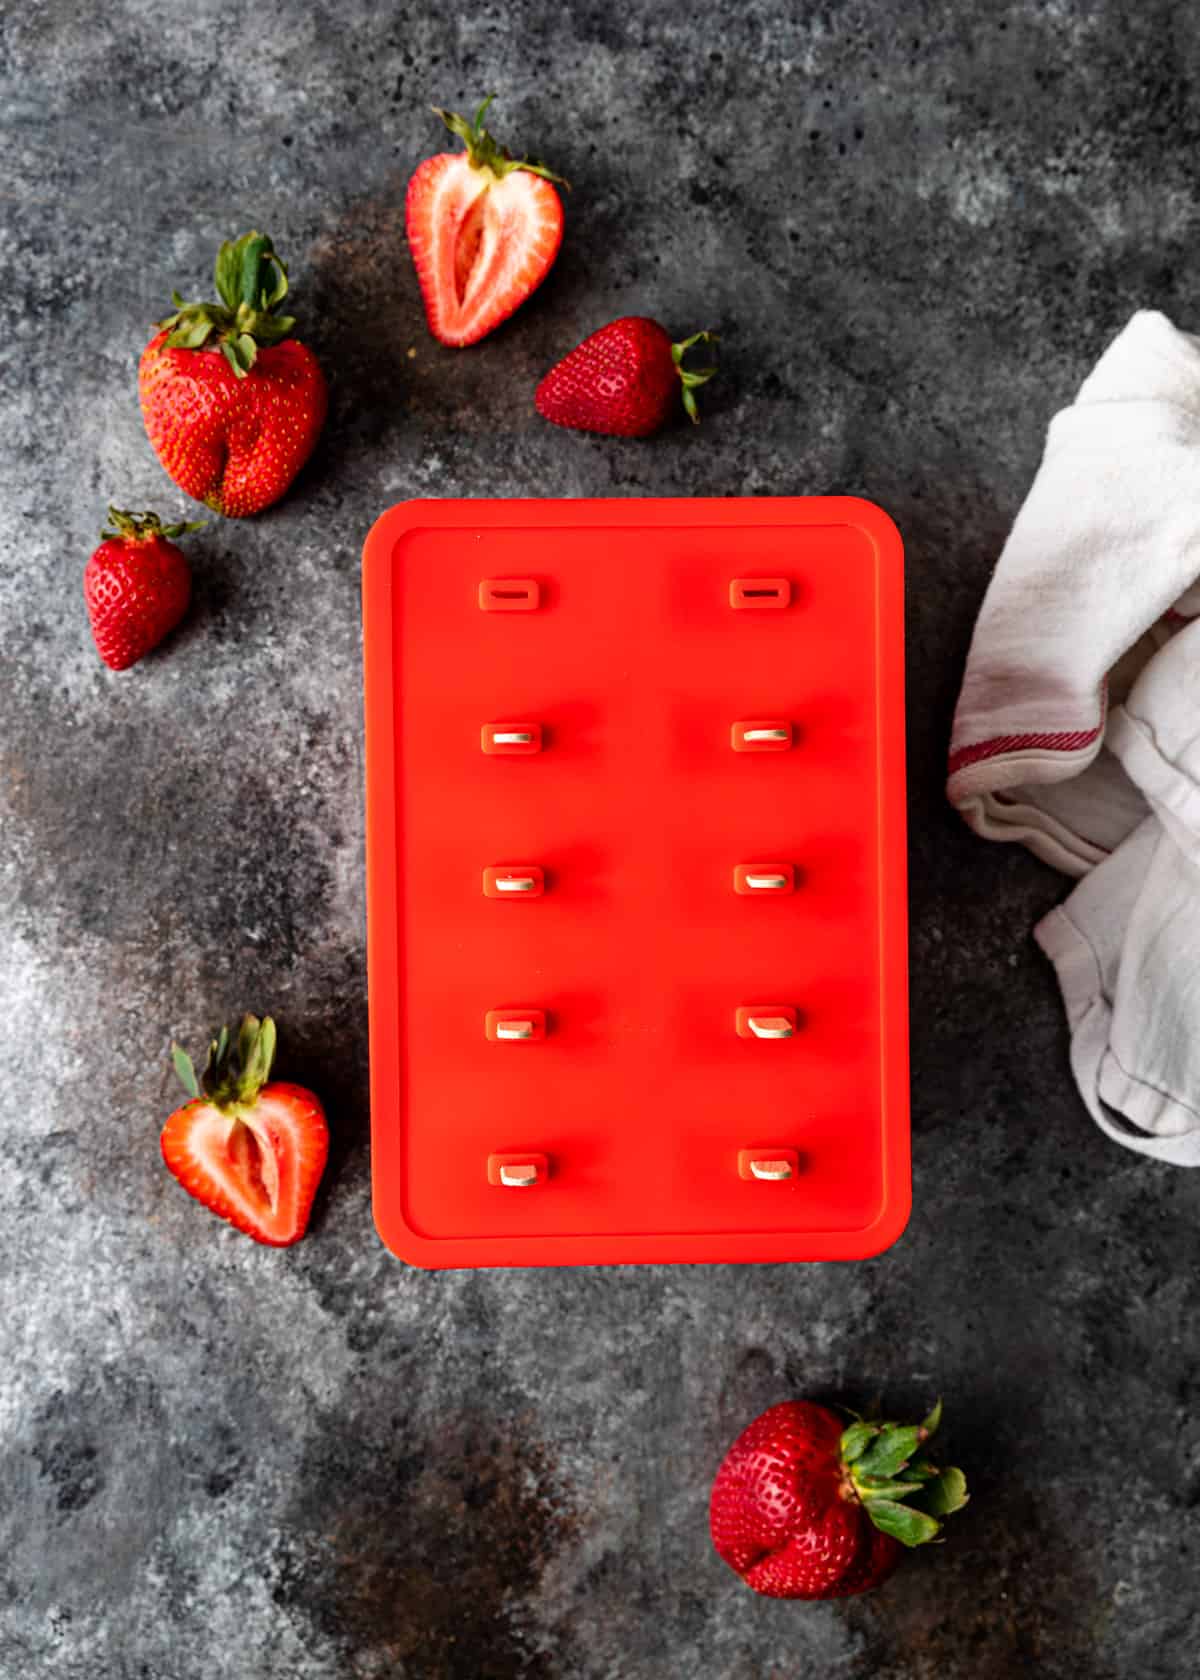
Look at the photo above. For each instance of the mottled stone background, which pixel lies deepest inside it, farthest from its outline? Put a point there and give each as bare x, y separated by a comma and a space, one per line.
915, 225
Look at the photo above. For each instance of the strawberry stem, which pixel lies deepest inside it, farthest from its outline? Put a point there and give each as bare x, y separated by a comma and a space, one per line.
183, 1066
886, 1468
251, 281
136, 527
235, 1070
485, 152
692, 378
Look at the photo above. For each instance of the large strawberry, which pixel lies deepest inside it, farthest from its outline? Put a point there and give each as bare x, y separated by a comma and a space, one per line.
253, 1152
626, 379
233, 404
136, 586
483, 229
804, 1507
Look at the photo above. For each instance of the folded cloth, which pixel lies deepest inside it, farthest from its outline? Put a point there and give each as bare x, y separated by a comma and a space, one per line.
1126, 944
1088, 610
1106, 545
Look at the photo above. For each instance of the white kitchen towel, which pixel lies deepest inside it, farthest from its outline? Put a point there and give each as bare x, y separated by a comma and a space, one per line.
1101, 564
1126, 944
1078, 727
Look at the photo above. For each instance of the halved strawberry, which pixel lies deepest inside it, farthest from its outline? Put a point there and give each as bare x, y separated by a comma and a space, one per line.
252, 1152
483, 229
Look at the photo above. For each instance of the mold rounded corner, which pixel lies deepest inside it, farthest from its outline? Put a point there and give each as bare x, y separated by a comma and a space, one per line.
380, 541
891, 1225
401, 1241
876, 522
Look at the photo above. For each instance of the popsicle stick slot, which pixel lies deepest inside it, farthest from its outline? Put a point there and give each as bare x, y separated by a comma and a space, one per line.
518, 1172
517, 880
746, 593
762, 880
771, 1169
765, 1020
763, 735
509, 595
510, 739
515, 1026
768, 1166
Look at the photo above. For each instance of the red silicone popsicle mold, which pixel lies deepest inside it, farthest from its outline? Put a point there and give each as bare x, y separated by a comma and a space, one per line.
636, 880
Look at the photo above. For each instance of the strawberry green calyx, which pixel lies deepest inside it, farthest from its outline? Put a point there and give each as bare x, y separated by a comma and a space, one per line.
485, 152
236, 1068
251, 281
886, 1469
692, 378
139, 527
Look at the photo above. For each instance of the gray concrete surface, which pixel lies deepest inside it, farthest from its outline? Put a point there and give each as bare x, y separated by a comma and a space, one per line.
915, 226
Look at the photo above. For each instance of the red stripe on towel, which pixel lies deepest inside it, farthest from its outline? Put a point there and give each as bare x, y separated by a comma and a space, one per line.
1064, 741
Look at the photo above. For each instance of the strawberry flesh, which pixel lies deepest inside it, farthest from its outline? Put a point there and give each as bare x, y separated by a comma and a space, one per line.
256, 1166
481, 245
483, 230
251, 1152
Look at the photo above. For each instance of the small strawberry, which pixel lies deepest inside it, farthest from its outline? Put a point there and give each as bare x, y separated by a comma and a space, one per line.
252, 1152
624, 379
136, 586
803, 1507
233, 405
483, 229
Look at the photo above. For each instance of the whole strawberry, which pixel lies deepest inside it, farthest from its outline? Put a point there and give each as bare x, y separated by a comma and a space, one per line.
233, 405
484, 229
803, 1507
627, 379
136, 586
251, 1151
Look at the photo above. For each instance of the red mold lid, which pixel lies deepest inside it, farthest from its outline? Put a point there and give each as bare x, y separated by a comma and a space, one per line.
690, 1040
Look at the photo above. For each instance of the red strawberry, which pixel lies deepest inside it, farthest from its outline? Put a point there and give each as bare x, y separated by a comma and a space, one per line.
624, 379
232, 404
803, 1507
136, 586
252, 1152
483, 229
